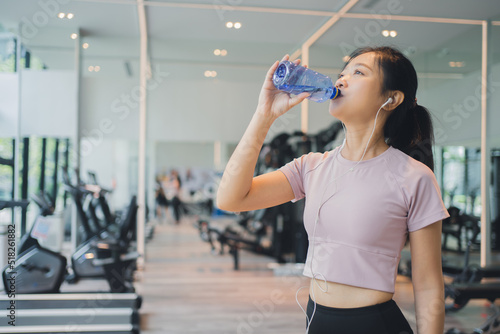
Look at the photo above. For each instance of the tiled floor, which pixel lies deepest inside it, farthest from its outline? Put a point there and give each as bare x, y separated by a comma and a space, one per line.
187, 289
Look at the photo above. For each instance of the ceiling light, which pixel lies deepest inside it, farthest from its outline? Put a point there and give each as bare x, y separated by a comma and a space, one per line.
237, 25
223, 53
70, 16
345, 59
393, 33
74, 36
91, 68
385, 33
456, 63
217, 52
61, 15
85, 45
209, 74
97, 68
229, 24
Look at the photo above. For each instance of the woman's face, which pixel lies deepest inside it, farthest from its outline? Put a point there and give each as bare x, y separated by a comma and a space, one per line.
360, 84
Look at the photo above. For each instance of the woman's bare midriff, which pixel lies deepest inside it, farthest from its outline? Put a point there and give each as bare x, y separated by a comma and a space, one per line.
347, 296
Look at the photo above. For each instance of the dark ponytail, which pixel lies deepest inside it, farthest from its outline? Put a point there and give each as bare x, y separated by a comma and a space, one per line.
409, 127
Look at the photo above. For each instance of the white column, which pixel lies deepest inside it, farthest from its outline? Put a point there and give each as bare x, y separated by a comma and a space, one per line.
485, 155
17, 143
76, 139
141, 191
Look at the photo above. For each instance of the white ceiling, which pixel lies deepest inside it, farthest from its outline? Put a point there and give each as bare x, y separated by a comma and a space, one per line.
186, 33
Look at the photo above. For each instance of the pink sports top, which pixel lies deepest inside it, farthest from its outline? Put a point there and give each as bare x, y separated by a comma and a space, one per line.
367, 213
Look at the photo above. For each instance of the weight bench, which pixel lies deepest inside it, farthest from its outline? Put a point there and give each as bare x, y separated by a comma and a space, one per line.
491, 291
227, 235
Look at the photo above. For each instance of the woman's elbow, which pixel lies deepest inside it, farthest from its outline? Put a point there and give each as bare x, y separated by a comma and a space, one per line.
224, 202
221, 204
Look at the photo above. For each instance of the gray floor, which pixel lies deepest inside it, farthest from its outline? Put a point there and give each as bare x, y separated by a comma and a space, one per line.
187, 289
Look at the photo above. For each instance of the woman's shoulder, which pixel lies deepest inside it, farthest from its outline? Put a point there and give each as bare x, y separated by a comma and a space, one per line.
407, 167
312, 160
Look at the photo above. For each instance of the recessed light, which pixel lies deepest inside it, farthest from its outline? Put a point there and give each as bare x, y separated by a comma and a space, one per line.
61, 15
223, 53
456, 63
217, 52
237, 25
97, 68
209, 74
70, 16
345, 59
74, 36
229, 25
387, 33
91, 68
85, 45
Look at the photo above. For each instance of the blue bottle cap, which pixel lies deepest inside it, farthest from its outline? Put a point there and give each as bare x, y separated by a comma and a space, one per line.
280, 74
335, 94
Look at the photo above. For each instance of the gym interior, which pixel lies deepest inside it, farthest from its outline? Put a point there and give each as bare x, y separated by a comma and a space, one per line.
118, 118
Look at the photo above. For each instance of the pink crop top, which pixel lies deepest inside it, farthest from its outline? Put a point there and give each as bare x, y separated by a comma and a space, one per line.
363, 227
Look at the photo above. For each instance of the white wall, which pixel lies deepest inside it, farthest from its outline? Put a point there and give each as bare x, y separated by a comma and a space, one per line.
49, 103
111, 160
183, 154
456, 106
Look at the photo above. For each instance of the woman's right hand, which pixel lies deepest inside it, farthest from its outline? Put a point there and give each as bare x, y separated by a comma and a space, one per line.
273, 102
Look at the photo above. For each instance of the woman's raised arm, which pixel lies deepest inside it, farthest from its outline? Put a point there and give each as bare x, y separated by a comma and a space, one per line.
239, 190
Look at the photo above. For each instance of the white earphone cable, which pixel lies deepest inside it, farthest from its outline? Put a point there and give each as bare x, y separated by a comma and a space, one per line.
317, 219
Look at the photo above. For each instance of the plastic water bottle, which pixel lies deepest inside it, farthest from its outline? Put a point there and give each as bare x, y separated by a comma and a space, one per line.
296, 79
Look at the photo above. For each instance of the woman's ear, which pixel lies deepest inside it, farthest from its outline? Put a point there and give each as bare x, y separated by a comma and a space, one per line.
396, 98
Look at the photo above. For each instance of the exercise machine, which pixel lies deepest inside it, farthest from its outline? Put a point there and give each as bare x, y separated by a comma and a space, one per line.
42, 271
99, 242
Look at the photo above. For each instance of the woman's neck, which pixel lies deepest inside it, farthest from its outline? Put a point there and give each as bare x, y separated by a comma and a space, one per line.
356, 143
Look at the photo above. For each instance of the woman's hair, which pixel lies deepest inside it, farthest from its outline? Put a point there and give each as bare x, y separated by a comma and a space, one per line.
409, 127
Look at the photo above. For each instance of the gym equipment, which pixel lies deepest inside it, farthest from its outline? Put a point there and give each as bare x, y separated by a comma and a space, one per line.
495, 198
99, 242
39, 270
43, 271
258, 232
46, 209
490, 291
35, 269
458, 225
467, 284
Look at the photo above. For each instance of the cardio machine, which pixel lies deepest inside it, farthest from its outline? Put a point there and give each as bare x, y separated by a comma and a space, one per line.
98, 241
35, 305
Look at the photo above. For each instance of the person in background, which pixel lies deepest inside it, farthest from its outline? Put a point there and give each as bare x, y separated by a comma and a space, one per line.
161, 201
174, 186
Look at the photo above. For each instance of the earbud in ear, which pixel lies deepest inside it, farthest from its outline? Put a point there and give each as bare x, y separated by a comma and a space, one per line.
389, 100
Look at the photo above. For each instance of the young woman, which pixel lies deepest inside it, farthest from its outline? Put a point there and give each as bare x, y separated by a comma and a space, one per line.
363, 198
